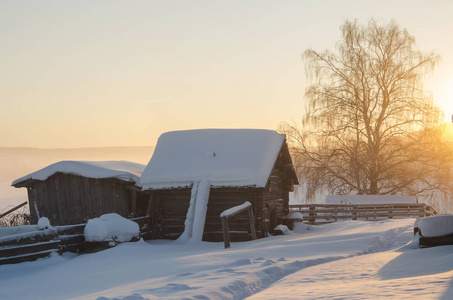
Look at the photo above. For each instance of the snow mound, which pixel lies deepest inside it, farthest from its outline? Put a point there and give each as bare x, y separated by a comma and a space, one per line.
436, 226
111, 226
226, 157
122, 170
300, 227
284, 229
294, 215
44, 223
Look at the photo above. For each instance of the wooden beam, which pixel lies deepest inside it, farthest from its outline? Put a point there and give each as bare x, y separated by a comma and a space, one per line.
226, 232
151, 196
13, 209
134, 201
252, 223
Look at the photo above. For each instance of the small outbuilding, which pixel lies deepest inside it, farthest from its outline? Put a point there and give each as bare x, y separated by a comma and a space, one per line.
71, 192
194, 175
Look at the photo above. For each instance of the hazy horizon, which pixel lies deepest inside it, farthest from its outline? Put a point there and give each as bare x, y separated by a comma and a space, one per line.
79, 74
16, 162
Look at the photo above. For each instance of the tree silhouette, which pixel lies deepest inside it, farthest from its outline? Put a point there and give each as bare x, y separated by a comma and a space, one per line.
370, 127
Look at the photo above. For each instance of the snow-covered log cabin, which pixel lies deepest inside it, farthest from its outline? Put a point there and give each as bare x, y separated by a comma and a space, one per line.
71, 192
194, 175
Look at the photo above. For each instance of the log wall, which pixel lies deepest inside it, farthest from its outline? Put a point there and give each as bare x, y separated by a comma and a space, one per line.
168, 212
221, 199
276, 194
69, 199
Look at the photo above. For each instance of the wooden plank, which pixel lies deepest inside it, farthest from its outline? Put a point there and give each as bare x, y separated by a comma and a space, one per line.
436, 241
295, 206
13, 209
87, 204
58, 206
71, 229
71, 239
8, 251
134, 202
226, 233
252, 223
238, 211
217, 236
27, 257
30, 238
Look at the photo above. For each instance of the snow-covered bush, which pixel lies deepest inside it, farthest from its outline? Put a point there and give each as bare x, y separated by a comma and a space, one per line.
111, 227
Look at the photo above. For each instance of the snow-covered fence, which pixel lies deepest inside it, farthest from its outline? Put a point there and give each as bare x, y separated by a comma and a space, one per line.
246, 206
326, 213
28, 246
28, 243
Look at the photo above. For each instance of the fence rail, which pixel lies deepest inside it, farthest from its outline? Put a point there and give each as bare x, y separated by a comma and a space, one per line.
32, 245
327, 213
247, 206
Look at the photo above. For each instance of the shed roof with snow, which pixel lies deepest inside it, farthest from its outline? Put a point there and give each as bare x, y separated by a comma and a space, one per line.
121, 170
225, 157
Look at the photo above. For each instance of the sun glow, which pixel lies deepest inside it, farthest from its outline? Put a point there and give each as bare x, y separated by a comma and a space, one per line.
445, 101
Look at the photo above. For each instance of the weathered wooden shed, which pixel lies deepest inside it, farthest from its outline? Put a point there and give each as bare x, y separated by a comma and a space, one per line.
71, 192
237, 165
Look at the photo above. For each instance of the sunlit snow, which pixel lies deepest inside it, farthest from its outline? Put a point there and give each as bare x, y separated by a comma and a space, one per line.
343, 260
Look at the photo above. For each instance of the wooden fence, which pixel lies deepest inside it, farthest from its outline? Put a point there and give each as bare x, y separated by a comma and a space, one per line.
327, 213
224, 216
32, 245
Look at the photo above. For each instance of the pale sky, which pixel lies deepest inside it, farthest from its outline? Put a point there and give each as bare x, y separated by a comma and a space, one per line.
120, 73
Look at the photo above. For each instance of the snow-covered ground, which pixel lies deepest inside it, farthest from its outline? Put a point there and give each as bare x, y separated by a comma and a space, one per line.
343, 260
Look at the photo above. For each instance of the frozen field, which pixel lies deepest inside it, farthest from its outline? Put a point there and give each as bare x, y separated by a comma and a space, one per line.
344, 260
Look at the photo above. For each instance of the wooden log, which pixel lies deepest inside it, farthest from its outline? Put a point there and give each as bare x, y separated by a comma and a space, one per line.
252, 223
393, 205
436, 241
134, 201
9, 251
29, 237
226, 233
217, 236
71, 229
92, 247
13, 209
26, 257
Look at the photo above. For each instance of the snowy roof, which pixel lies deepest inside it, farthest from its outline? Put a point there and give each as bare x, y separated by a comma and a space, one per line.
225, 157
122, 170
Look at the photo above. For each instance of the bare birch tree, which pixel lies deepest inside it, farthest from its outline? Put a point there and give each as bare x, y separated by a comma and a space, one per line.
369, 127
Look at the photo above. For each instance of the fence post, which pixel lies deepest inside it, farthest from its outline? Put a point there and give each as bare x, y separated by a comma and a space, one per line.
226, 232
252, 223
312, 214
355, 210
